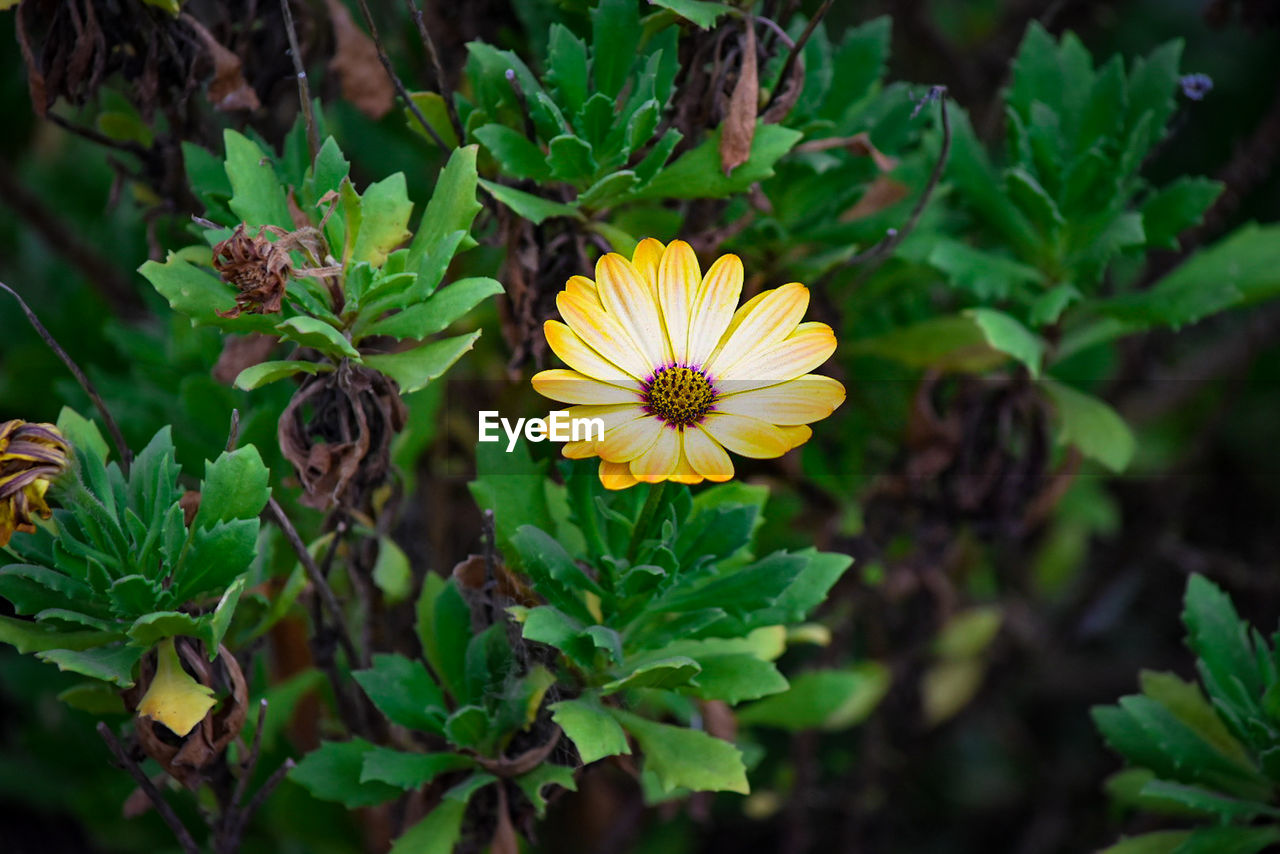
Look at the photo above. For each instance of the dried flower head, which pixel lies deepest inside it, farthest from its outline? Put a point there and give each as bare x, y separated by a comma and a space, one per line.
31, 455
258, 268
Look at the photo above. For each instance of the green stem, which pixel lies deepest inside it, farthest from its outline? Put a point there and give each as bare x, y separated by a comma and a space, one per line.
645, 518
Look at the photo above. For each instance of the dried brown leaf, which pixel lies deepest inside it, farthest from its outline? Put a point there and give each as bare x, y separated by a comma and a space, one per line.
228, 90
739, 128
355, 61
859, 144
882, 193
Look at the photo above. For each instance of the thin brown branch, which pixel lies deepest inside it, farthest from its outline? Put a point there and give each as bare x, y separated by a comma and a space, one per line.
874, 256
116, 436
395, 78
148, 788
434, 56
793, 56
304, 90
260, 796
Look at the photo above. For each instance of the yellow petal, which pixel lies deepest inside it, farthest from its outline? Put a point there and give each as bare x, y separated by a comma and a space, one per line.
575, 353
713, 307
761, 323
660, 460
748, 437
646, 258
610, 416
616, 475
802, 351
583, 288
634, 304
602, 333
800, 401
627, 441
797, 435
579, 450
685, 472
573, 387
706, 456
174, 698
678, 282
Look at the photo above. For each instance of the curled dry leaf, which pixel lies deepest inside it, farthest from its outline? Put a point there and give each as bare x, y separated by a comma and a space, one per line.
472, 576
228, 90
355, 61
883, 192
240, 352
186, 759
739, 128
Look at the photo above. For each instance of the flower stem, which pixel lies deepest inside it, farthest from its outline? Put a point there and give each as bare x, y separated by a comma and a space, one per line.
645, 519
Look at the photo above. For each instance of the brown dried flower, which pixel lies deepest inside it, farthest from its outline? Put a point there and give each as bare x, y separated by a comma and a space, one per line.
258, 268
31, 455
337, 432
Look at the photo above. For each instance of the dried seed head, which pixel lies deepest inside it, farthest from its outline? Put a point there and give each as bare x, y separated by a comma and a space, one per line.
31, 455
258, 268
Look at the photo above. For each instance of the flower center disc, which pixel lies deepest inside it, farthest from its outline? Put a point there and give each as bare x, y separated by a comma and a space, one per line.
679, 395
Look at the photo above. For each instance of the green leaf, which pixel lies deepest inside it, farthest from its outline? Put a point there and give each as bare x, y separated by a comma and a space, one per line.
436, 112
452, 208
112, 664
333, 773
615, 35
1203, 800
391, 572
409, 770
546, 774
986, 275
32, 589
665, 674
404, 691
950, 343
82, 433
697, 174
95, 698
440, 831
1241, 269
385, 210
1091, 425
701, 13
592, 730
568, 66
152, 628
1176, 207
745, 590
735, 678
1152, 84
822, 699
444, 629
27, 636
314, 332
1160, 842
1004, 333
235, 487
1220, 639
608, 190
685, 757
555, 574
517, 156
256, 194
570, 159
216, 556
198, 294
1229, 840
215, 628
469, 728
263, 373
440, 310
528, 206
414, 369
1189, 705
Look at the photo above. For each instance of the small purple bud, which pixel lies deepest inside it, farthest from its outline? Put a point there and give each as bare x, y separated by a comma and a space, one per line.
511, 75
1196, 86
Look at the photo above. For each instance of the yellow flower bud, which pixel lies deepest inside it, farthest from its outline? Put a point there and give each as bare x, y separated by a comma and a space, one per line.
174, 698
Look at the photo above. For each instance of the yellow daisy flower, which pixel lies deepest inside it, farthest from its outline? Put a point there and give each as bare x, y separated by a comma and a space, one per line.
31, 456
658, 353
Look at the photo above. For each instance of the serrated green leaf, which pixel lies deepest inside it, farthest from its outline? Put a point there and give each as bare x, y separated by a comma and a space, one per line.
735, 678
452, 209
150, 629
199, 295
514, 152
112, 664
385, 210
404, 691
32, 589
697, 173
1229, 840
1176, 207
546, 774
235, 486
314, 332
664, 673
440, 310
27, 636
1004, 333
608, 190
685, 757
570, 159
444, 629
409, 771
615, 35
414, 369
333, 773
436, 112
256, 194
590, 728
701, 13
440, 831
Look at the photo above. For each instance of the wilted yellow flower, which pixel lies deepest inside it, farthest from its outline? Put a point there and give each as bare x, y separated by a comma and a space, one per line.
31, 455
676, 375
174, 698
